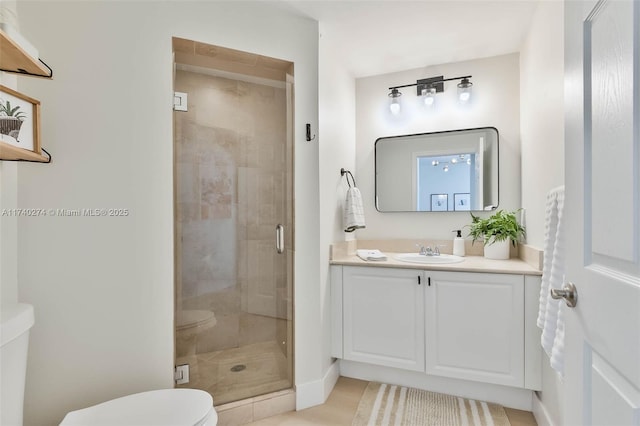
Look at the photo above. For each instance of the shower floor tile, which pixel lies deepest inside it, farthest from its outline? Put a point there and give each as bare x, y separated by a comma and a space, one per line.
265, 370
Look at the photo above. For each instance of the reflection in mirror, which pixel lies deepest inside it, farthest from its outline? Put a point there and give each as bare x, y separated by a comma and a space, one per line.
455, 170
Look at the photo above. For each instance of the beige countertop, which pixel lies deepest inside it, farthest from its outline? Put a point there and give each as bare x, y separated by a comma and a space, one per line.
469, 264
344, 254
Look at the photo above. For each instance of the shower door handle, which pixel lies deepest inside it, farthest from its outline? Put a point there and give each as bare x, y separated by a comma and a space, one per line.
279, 239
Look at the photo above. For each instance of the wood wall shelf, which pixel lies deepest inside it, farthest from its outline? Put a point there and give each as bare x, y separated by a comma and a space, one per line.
10, 152
14, 59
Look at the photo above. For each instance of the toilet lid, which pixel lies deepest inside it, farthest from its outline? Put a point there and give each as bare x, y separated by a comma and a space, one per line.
167, 407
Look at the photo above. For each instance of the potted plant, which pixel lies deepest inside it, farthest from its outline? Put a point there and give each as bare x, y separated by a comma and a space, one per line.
10, 119
496, 231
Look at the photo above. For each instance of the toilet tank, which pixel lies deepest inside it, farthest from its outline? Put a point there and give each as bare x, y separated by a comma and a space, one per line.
16, 320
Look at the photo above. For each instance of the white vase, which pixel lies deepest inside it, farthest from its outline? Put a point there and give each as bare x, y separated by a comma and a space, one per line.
498, 250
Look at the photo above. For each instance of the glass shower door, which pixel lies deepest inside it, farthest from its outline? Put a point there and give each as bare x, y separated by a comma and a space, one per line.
234, 185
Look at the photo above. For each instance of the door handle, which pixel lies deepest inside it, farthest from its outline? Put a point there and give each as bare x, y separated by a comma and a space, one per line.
279, 239
569, 293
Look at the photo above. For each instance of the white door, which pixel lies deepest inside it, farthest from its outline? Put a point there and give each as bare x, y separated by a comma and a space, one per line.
602, 158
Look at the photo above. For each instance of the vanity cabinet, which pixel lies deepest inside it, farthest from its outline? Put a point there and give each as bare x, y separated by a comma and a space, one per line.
462, 325
475, 326
383, 313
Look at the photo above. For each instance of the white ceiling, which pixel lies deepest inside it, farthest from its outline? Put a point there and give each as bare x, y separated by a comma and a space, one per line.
378, 37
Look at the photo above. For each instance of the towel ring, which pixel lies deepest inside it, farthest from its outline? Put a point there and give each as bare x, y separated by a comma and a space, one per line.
348, 173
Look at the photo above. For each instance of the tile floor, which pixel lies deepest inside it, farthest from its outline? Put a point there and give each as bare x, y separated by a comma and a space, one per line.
265, 371
341, 407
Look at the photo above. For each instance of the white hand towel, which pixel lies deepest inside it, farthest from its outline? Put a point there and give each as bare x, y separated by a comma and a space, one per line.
550, 316
371, 255
353, 210
557, 351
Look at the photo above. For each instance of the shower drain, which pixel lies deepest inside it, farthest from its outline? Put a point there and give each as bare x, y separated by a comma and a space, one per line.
238, 367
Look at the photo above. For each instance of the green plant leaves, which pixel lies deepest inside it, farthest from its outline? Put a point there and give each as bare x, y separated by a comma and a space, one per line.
497, 227
5, 109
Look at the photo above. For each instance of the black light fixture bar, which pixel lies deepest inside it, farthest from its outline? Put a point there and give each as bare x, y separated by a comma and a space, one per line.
435, 82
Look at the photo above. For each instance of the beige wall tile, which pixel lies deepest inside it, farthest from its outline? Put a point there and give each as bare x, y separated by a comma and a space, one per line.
236, 416
273, 406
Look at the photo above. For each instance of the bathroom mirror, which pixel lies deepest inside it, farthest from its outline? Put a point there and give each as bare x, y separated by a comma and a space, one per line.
455, 170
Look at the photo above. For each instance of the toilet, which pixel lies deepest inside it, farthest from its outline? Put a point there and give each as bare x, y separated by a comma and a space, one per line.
15, 322
190, 323
166, 407
183, 407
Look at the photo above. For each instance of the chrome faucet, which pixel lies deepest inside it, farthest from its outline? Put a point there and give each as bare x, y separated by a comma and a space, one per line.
428, 251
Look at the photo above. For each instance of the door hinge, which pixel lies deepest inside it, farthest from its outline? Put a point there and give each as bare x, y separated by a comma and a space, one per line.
181, 374
179, 101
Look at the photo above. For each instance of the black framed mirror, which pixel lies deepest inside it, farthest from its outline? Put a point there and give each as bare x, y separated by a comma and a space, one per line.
453, 170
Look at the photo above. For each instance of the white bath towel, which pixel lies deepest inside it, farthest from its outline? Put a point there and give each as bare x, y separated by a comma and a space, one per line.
550, 315
353, 210
371, 254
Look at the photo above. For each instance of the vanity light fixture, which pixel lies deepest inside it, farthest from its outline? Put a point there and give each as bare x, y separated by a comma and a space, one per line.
429, 95
464, 90
394, 106
428, 87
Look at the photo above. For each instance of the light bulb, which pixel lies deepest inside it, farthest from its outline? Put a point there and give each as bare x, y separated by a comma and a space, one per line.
464, 90
454, 160
394, 106
429, 96
445, 168
435, 162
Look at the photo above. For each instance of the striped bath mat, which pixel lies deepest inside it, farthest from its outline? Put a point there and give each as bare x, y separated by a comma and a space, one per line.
383, 404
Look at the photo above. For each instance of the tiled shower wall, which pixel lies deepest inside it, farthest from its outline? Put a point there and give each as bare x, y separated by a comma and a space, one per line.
233, 172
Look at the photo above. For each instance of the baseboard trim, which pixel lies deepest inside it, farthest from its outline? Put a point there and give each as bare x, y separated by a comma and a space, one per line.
507, 396
316, 392
540, 412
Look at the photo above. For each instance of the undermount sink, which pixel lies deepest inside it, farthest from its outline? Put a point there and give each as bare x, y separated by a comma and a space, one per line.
421, 258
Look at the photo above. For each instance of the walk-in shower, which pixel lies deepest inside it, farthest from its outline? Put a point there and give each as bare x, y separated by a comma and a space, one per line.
233, 170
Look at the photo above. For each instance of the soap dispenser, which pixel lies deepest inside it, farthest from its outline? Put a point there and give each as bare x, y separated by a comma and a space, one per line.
458, 243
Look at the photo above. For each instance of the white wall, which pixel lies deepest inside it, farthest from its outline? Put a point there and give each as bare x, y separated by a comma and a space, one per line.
8, 190
495, 103
337, 150
8, 230
542, 114
542, 127
103, 286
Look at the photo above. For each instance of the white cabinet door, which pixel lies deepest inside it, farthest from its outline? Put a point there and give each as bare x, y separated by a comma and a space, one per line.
475, 326
383, 312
